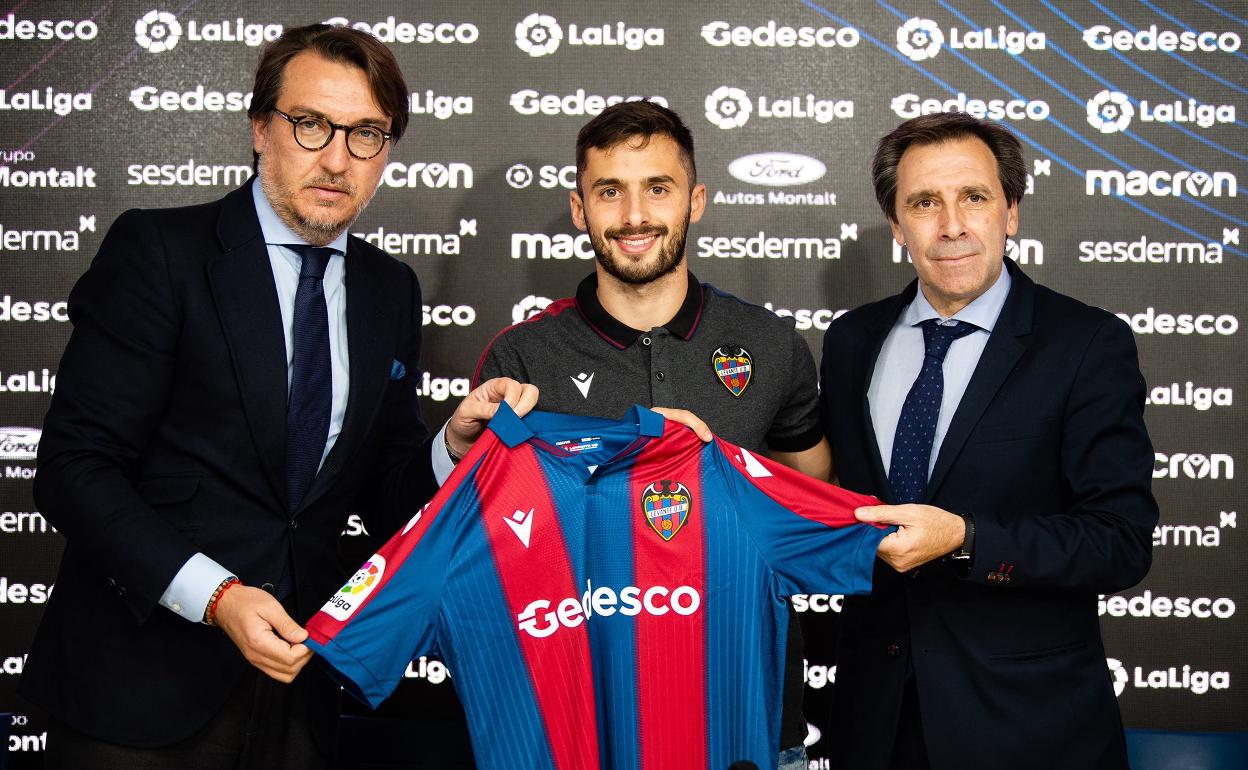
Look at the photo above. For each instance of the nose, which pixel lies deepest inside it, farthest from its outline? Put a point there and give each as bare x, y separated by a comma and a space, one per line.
636, 213
952, 225
334, 157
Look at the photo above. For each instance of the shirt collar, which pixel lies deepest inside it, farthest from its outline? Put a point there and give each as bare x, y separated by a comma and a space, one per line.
983, 311
682, 325
276, 231
513, 430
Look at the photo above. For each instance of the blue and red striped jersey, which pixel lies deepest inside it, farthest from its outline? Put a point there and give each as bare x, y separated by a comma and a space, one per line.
607, 594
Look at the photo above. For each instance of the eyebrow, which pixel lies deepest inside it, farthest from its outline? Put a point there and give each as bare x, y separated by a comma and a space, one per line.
919, 195
614, 182
302, 110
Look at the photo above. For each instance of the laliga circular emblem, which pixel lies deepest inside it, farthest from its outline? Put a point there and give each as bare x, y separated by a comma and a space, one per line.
728, 107
157, 31
519, 176
919, 39
528, 307
365, 577
1119, 674
1110, 112
538, 34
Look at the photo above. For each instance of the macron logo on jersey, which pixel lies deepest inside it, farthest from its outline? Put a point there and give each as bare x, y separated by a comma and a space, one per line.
522, 524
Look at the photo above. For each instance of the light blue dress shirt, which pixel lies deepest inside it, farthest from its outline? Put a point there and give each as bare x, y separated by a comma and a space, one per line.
901, 358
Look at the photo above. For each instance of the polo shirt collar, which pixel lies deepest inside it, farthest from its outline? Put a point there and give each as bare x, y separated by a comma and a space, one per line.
682, 325
513, 430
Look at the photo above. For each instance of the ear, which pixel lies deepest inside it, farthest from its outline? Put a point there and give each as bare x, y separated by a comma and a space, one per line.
697, 202
898, 235
578, 211
1011, 219
258, 137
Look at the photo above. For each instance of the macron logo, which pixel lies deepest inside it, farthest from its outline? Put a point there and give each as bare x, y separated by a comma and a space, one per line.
582, 382
522, 524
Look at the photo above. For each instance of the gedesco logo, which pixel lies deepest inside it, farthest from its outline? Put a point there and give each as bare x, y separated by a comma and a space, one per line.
921, 39
540, 34
731, 107
777, 169
908, 106
1111, 111
539, 620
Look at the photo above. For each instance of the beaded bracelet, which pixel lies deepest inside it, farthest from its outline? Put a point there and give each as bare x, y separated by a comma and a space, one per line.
210, 614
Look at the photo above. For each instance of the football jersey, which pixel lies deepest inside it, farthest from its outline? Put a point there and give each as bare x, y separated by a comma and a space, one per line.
606, 594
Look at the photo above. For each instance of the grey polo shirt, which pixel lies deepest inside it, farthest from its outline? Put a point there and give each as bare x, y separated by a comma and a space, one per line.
739, 367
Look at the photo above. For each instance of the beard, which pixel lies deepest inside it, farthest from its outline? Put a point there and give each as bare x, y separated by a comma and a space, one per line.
637, 272
316, 230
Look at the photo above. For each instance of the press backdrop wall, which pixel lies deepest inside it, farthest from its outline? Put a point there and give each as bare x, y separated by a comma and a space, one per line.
1131, 114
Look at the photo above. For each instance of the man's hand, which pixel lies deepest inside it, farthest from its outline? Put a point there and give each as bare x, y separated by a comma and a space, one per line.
924, 533
479, 406
686, 418
269, 639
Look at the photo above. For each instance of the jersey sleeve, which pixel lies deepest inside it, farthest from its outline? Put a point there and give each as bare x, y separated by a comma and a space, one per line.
796, 426
804, 529
389, 611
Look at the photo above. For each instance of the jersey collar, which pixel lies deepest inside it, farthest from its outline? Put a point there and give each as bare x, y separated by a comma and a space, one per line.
682, 325
514, 431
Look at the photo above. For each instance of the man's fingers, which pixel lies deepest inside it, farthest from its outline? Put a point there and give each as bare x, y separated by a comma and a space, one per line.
876, 514
527, 399
688, 419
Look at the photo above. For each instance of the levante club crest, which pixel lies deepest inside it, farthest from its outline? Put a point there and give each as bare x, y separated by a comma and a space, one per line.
665, 505
733, 367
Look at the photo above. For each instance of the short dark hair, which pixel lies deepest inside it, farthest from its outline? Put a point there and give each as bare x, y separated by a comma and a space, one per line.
632, 120
338, 44
945, 127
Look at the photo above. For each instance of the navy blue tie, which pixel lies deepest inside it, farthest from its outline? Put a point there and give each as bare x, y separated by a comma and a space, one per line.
916, 428
311, 384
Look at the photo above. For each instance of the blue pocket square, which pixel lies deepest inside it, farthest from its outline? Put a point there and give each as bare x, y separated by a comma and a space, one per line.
397, 370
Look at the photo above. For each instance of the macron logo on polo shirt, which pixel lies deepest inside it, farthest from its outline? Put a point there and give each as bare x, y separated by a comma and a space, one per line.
582, 382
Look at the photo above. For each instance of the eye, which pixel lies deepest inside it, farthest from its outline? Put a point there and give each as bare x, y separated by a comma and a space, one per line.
310, 126
976, 198
610, 193
367, 134
658, 190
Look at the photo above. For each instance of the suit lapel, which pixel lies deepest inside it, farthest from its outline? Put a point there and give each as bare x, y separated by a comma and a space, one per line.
241, 281
1005, 347
370, 348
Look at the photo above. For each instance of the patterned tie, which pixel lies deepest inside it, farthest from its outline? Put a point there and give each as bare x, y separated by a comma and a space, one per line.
311, 387
916, 428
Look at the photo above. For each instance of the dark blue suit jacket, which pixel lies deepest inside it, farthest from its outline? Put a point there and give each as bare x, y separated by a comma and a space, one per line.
167, 436
1048, 452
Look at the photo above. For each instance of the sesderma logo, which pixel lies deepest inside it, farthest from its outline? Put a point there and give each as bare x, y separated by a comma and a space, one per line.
919, 39
157, 31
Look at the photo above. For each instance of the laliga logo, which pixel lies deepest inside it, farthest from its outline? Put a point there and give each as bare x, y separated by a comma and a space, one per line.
1119, 673
527, 308
919, 39
538, 35
728, 107
157, 31
519, 176
343, 604
1110, 112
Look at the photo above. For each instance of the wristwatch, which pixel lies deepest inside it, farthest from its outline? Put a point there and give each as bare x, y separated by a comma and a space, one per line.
968, 541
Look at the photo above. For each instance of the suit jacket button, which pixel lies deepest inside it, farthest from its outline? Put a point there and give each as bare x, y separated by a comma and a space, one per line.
294, 524
121, 591
111, 583
268, 587
893, 650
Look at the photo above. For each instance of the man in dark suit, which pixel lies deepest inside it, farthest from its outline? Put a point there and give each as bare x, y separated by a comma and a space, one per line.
1004, 422
240, 377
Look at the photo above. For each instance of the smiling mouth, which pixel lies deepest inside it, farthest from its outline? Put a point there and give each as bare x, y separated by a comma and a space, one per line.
636, 244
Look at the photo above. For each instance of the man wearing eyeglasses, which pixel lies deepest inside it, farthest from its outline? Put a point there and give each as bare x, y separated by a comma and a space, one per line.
240, 377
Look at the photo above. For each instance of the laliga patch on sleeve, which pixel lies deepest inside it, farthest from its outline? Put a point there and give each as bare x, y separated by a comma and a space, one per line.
343, 604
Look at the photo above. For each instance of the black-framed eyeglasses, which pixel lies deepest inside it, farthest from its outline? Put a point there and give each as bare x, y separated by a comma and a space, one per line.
315, 133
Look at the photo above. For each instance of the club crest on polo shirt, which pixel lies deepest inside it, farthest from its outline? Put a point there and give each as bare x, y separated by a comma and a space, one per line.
732, 366
665, 505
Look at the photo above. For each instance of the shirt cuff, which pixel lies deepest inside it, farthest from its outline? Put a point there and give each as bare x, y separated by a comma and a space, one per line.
442, 465
191, 589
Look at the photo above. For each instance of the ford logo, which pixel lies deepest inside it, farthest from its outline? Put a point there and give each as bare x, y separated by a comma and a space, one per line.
777, 169
19, 443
